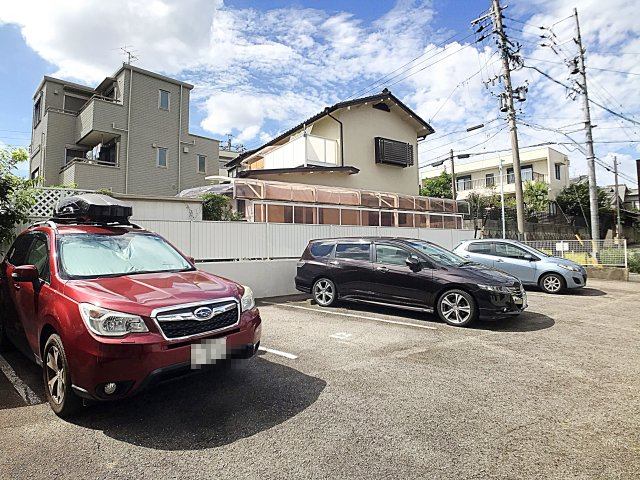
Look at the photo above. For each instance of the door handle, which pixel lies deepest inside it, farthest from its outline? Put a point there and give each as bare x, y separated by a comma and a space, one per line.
333, 262
500, 260
467, 256
382, 269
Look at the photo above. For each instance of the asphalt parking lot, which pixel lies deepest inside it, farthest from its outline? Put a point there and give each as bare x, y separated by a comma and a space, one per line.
354, 392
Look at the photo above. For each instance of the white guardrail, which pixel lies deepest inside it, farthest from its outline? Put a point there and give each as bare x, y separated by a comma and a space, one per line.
608, 253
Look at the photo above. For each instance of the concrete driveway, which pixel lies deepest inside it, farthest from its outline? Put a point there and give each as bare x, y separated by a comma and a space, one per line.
356, 391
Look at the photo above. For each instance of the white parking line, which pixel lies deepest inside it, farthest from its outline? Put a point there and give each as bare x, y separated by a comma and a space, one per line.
406, 324
29, 396
290, 356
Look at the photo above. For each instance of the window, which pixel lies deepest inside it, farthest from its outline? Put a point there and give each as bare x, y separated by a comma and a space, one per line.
39, 256
321, 249
35, 174
163, 100
558, 172
526, 174
73, 103
489, 180
353, 251
202, 164
483, 248
71, 153
391, 255
508, 250
162, 157
37, 111
463, 182
18, 253
392, 152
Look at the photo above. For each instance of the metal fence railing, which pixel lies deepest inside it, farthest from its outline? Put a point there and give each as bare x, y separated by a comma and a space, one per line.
609, 253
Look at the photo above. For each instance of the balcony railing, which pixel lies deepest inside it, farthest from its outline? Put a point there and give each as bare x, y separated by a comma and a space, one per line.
494, 182
86, 161
303, 151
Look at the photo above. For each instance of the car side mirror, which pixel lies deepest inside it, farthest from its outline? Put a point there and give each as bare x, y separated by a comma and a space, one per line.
526, 256
413, 263
191, 260
25, 274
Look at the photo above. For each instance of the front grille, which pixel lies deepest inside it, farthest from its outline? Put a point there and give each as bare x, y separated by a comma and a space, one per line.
180, 323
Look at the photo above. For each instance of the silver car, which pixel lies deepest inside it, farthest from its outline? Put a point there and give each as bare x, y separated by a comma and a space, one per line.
531, 266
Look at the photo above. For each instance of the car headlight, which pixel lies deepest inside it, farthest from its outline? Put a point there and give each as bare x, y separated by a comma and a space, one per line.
247, 302
109, 323
569, 267
495, 288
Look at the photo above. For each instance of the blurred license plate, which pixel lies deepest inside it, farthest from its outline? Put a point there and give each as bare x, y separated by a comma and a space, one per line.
208, 352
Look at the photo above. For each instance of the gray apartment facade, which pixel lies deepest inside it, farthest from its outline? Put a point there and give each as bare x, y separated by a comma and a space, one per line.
130, 134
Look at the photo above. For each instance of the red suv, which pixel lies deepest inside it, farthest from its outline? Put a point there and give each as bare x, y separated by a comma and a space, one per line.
108, 308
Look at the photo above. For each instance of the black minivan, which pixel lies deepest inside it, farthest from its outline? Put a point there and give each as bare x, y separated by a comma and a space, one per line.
407, 273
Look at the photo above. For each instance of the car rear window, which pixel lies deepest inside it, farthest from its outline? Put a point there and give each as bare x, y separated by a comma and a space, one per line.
353, 251
480, 247
321, 249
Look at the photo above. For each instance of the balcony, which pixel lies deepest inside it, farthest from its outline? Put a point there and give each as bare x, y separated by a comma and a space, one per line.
95, 121
304, 151
490, 185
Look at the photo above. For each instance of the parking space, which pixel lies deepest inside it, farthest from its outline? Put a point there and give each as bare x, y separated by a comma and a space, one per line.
356, 390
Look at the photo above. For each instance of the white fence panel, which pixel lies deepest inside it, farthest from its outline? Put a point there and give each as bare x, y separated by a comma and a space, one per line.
287, 241
176, 231
229, 240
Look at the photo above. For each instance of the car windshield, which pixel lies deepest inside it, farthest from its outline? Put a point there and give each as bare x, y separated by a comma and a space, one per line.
91, 255
438, 254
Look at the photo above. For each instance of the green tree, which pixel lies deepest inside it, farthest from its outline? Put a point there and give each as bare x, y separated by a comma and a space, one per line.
574, 199
17, 194
217, 207
536, 196
439, 187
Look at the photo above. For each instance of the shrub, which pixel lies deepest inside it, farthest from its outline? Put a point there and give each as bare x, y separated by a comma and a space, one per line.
217, 207
634, 262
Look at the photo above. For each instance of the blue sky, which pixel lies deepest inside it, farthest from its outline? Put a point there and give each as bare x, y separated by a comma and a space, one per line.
261, 67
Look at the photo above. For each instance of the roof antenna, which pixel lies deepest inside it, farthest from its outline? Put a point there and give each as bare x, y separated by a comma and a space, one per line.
129, 54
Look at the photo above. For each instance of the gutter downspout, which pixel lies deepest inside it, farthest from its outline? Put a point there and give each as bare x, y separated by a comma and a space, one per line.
126, 165
341, 140
179, 141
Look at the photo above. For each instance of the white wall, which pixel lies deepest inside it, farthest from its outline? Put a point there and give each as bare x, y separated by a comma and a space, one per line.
267, 278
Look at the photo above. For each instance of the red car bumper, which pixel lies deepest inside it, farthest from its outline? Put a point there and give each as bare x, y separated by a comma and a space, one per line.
136, 361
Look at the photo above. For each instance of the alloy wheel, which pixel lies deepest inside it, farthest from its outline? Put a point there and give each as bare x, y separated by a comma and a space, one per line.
455, 308
552, 284
324, 292
55, 374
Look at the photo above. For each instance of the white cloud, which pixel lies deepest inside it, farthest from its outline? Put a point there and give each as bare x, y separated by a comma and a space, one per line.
260, 72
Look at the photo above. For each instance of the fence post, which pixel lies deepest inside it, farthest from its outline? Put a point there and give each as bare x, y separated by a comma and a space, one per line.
624, 245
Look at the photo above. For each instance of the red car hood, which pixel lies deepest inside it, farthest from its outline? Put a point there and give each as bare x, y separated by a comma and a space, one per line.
139, 294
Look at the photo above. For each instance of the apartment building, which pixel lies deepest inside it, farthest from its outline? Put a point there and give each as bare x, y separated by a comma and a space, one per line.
129, 134
366, 143
485, 176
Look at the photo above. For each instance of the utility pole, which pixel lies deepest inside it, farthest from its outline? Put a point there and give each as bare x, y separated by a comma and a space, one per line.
453, 175
511, 114
618, 222
591, 164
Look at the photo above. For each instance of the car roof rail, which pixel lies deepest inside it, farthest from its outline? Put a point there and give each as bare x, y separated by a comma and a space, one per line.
42, 223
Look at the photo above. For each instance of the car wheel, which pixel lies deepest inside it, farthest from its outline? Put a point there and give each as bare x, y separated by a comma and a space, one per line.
552, 283
324, 292
457, 308
57, 379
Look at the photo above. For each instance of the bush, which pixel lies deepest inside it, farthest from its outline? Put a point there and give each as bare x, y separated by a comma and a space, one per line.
634, 262
17, 194
217, 207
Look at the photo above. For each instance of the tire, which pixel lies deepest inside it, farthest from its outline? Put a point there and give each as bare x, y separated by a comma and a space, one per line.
457, 308
324, 292
552, 283
57, 379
